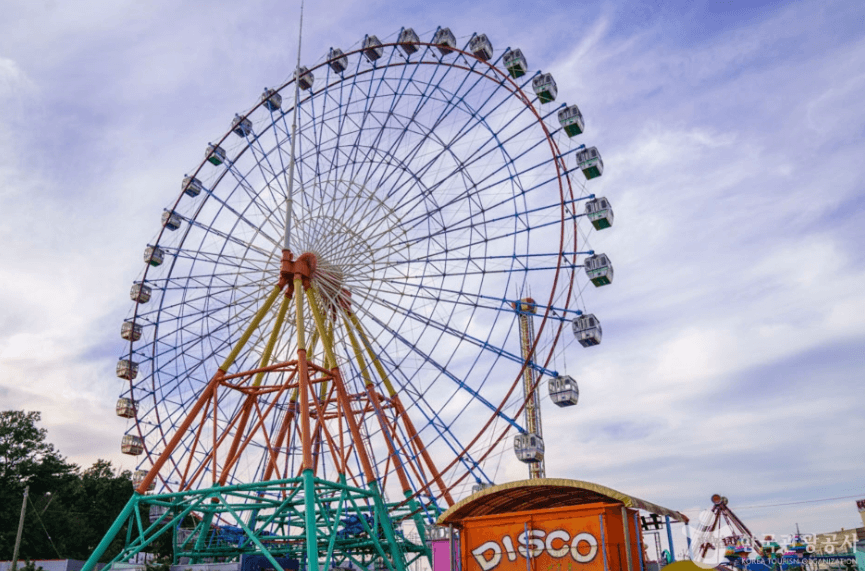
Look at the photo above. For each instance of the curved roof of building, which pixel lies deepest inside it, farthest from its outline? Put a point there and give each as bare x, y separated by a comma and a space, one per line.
545, 493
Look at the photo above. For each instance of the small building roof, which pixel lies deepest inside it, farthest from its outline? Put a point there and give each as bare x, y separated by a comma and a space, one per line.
542, 493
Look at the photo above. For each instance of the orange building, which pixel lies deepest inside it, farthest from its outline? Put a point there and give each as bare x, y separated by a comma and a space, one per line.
551, 524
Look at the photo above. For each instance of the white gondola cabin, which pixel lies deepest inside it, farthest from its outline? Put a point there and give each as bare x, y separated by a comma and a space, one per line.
599, 211
545, 87
590, 162
445, 41
515, 63
171, 220
408, 41
529, 447
140, 293
372, 48
571, 120
337, 60
138, 477
306, 78
215, 154
599, 270
272, 99
587, 330
241, 126
564, 391
154, 255
156, 511
126, 408
130, 331
191, 186
481, 47
127, 369
132, 445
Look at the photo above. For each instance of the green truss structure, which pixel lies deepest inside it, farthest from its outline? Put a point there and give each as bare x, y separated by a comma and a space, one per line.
319, 523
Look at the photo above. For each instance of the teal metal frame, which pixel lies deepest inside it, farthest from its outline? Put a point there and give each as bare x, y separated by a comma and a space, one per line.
299, 518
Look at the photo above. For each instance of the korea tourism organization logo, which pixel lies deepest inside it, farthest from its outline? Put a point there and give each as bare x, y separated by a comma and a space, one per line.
535, 544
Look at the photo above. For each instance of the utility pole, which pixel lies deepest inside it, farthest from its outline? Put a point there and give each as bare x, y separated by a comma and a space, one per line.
20, 530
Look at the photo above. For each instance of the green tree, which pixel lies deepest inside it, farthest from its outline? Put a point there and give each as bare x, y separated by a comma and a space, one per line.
69, 510
22, 444
26, 459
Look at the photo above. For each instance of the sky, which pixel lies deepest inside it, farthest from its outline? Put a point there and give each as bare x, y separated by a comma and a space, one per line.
733, 136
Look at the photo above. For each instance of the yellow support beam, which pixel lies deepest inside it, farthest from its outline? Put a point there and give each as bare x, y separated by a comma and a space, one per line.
253, 325
322, 330
391, 392
268, 350
358, 354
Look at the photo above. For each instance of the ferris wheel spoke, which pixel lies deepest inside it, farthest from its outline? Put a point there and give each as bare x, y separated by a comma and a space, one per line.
441, 429
271, 175
477, 190
238, 215
518, 215
443, 370
473, 299
462, 336
418, 402
421, 100
396, 97
265, 212
194, 302
229, 238
184, 347
464, 130
240, 262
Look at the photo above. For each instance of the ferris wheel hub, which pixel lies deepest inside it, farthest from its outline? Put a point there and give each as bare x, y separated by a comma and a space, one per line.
303, 267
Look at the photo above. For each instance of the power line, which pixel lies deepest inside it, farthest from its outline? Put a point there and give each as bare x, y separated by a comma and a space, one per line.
795, 503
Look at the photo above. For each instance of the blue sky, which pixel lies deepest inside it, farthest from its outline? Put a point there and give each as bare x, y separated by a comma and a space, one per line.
733, 134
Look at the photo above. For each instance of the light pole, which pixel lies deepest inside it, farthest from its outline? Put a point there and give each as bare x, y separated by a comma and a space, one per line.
20, 530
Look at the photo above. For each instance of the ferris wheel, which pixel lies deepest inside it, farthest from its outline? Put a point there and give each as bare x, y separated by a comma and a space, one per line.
438, 202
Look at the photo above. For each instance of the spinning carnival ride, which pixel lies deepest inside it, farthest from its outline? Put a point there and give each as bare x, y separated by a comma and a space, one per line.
322, 375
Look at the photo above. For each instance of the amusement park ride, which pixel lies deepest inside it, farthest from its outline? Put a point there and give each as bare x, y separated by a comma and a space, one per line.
737, 541
322, 350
